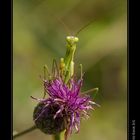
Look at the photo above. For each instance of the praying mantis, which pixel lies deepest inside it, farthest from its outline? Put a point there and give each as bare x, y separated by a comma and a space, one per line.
67, 63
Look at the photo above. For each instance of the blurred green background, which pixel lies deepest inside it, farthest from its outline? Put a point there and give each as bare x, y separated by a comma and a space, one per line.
39, 36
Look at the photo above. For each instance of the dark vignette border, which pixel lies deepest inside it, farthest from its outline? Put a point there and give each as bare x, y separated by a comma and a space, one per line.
133, 69
6, 68
6, 26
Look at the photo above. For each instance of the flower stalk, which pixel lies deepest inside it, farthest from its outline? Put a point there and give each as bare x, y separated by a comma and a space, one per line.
24, 132
57, 137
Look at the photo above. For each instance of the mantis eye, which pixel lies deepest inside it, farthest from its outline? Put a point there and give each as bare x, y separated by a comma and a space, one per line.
72, 39
76, 39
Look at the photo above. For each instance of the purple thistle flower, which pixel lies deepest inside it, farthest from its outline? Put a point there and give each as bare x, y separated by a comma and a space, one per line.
64, 107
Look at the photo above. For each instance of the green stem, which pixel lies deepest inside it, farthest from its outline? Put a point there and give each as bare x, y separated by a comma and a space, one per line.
57, 137
24, 132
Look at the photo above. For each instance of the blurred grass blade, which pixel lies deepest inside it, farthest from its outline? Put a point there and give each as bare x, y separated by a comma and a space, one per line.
93, 91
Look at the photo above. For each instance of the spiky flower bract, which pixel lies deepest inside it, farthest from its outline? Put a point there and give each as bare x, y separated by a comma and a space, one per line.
66, 104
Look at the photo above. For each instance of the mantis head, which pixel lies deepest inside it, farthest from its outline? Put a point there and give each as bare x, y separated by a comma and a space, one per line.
72, 40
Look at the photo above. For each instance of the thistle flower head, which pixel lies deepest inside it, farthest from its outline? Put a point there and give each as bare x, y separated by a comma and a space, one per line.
64, 108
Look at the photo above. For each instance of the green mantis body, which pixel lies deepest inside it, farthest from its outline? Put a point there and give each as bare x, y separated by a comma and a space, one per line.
68, 60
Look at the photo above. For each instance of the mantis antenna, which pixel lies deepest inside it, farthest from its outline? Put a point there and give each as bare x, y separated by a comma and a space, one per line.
68, 30
85, 26
64, 25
